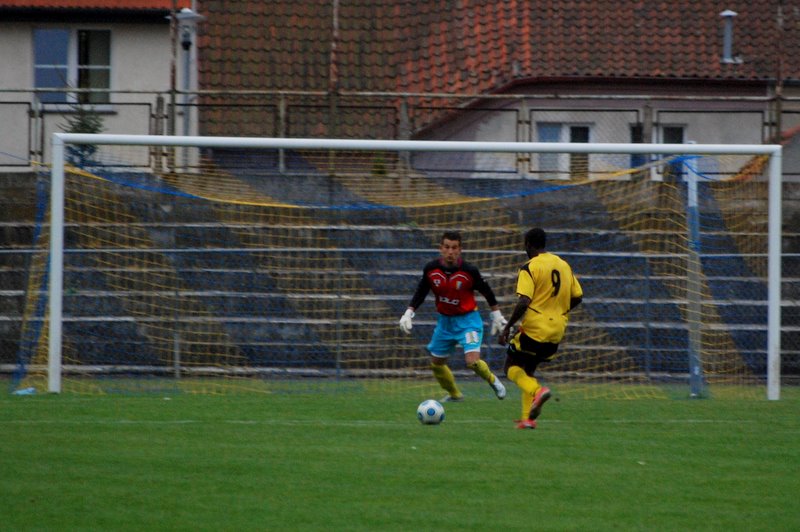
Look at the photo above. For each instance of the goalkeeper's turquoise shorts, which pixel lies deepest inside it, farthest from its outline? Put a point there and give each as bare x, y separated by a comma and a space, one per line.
465, 330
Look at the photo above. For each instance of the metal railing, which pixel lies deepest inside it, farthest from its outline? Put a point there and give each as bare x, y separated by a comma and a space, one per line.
27, 125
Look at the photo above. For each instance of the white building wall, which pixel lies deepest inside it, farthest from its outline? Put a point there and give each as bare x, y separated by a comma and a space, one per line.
16, 52
141, 64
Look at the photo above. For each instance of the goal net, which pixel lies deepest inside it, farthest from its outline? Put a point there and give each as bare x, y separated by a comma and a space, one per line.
217, 265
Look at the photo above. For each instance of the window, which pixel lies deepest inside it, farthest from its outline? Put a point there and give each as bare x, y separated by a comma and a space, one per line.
638, 160
555, 165
672, 135
637, 137
579, 162
548, 162
66, 58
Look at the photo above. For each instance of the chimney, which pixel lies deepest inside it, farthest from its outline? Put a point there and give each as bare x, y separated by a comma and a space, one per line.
727, 38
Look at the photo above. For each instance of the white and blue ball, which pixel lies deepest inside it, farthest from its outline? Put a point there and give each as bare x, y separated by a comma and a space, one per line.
430, 412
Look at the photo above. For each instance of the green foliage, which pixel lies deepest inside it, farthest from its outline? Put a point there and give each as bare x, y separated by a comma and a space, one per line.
378, 166
360, 461
82, 119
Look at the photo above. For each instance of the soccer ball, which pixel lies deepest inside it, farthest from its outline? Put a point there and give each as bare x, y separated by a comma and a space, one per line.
430, 412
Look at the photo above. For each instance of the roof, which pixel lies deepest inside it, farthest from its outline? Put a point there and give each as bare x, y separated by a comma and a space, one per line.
91, 11
479, 46
94, 4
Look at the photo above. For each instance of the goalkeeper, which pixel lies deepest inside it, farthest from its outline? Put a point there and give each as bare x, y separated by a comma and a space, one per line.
547, 291
454, 282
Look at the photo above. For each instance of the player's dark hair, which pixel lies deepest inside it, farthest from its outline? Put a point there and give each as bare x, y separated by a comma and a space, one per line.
536, 238
451, 235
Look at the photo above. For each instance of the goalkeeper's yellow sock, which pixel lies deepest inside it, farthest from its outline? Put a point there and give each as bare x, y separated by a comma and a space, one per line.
482, 370
446, 380
529, 386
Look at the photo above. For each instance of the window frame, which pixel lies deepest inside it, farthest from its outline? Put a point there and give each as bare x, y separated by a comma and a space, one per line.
673, 170
560, 165
74, 70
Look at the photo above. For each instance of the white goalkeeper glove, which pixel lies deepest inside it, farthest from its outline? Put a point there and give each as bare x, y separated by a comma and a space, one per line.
498, 322
405, 321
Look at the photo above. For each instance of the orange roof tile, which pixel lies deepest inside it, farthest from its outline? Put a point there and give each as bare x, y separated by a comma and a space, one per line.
488, 45
95, 4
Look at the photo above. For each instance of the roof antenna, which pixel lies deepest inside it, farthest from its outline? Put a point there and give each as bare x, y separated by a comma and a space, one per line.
727, 38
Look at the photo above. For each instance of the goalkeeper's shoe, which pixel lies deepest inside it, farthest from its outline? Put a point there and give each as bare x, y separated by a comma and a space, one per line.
450, 399
499, 389
526, 424
539, 399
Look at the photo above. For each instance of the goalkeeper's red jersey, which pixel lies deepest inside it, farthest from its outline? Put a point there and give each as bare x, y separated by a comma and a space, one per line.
453, 286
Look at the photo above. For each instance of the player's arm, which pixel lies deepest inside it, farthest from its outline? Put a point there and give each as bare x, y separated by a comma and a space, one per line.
516, 314
423, 287
576, 294
482, 286
406, 322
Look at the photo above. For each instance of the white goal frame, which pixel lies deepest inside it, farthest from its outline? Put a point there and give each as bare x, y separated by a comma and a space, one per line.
59, 140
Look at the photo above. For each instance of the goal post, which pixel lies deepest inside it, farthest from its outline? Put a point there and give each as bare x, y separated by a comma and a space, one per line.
673, 244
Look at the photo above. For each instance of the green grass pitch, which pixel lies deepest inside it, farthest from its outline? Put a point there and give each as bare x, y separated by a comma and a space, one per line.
361, 461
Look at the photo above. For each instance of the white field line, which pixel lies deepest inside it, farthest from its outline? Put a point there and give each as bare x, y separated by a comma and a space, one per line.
344, 423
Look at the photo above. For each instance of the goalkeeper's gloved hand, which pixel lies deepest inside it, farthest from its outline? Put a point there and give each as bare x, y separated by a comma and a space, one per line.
498, 321
405, 321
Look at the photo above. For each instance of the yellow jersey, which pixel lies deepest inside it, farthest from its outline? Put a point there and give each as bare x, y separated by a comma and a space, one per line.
548, 281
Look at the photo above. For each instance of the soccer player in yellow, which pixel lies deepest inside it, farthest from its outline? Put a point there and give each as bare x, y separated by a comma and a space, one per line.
547, 290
